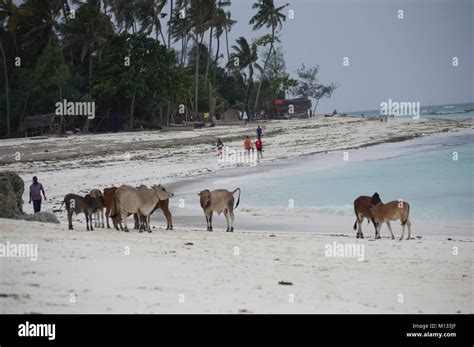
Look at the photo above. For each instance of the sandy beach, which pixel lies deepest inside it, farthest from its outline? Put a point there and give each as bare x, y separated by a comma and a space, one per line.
257, 270
194, 271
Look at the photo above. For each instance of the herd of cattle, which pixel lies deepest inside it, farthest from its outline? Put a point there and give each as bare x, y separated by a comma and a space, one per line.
121, 202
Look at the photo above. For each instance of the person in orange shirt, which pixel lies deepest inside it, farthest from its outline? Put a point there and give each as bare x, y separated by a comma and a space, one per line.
248, 145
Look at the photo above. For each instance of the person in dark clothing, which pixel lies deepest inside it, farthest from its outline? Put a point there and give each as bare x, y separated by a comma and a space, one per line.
219, 147
259, 132
35, 194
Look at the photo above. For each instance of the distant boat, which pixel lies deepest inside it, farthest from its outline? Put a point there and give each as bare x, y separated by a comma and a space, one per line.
448, 106
429, 110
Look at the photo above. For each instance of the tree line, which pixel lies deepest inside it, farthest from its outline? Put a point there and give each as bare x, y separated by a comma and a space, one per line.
149, 62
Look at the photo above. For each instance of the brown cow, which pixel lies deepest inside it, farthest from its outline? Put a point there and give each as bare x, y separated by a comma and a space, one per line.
99, 215
109, 196
220, 200
362, 207
393, 210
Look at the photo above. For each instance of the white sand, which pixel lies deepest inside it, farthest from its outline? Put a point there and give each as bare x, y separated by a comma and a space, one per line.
160, 266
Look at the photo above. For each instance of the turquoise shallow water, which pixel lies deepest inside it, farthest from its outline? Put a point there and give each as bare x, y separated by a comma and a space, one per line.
420, 171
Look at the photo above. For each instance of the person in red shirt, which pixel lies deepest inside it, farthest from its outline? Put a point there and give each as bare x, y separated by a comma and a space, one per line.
247, 145
259, 147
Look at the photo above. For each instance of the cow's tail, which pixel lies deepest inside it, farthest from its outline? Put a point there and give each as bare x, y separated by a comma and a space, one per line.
355, 224
60, 207
238, 199
408, 214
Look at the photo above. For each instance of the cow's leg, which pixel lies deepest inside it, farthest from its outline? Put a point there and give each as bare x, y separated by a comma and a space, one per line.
231, 213
375, 225
409, 229
403, 229
102, 217
87, 221
136, 221
140, 222
69, 217
169, 218
148, 222
360, 220
390, 229
90, 221
226, 214
377, 230
207, 221
124, 219
107, 214
210, 221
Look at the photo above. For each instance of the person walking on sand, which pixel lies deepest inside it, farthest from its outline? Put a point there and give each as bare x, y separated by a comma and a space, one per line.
259, 147
35, 194
247, 145
219, 147
259, 132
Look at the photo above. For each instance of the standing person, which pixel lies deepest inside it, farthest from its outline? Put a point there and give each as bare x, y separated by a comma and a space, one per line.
247, 145
259, 132
219, 147
35, 194
259, 147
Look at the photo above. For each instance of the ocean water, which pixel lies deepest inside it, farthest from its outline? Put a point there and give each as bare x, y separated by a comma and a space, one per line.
434, 174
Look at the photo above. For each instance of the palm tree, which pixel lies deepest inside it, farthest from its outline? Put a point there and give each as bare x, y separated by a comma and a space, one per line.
88, 32
149, 13
222, 22
9, 16
180, 27
125, 14
270, 16
246, 56
38, 30
199, 17
3, 34
212, 18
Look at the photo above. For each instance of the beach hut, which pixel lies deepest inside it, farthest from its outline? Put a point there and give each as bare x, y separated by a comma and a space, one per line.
290, 108
40, 125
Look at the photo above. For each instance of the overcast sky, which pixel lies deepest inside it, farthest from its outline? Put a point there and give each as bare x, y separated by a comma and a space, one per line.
406, 59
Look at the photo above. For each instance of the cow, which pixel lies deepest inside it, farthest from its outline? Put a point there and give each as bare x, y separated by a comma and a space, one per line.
220, 200
78, 204
141, 200
393, 210
99, 215
163, 206
362, 210
109, 196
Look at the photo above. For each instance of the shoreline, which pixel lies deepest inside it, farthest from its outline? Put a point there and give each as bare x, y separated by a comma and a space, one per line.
74, 176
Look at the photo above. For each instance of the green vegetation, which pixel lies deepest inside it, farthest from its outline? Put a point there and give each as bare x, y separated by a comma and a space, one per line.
143, 62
